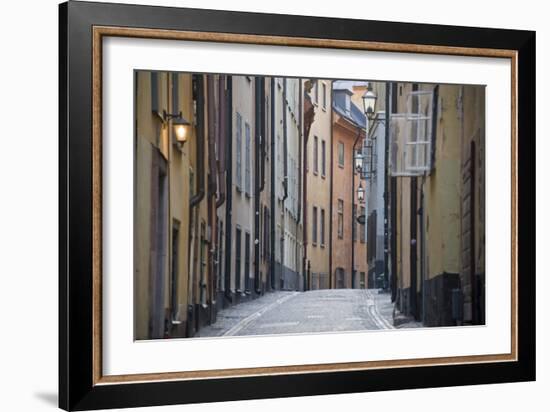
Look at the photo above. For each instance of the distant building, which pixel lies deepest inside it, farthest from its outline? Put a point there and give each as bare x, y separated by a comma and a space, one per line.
374, 153
317, 186
349, 259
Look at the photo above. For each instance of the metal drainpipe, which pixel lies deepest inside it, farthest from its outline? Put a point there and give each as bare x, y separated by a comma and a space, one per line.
228, 186
263, 133
300, 138
197, 198
304, 192
272, 178
220, 136
285, 143
285, 170
257, 178
386, 185
330, 207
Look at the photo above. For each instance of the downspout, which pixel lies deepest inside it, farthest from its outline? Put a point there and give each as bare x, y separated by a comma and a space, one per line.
222, 141
285, 143
272, 199
212, 193
212, 136
199, 93
299, 214
330, 274
263, 133
386, 185
300, 138
303, 200
285, 174
228, 185
257, 179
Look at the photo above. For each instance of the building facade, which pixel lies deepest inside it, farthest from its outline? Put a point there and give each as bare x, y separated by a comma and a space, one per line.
172, 285
317, 186
437, 202
348, 252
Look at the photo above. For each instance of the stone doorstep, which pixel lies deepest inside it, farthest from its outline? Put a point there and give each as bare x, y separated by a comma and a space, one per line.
400, 319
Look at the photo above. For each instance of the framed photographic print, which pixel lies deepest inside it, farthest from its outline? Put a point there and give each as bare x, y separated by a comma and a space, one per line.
257, 205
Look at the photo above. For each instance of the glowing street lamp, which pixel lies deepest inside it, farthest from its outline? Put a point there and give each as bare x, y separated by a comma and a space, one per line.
361, 193
182, 128
369, 102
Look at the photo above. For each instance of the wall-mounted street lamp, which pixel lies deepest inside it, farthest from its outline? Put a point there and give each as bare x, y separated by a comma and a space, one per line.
361, 193
182, 128
369, 102
359, 158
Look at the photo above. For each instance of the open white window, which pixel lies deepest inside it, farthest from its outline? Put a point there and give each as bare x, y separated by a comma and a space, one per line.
411, 136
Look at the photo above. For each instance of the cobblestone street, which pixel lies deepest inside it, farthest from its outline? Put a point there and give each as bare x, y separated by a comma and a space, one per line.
330, 310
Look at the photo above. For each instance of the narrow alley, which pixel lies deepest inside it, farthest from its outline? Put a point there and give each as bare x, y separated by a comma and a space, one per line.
284, 312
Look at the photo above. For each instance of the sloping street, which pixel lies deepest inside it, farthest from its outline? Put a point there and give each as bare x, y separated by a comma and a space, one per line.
281, 312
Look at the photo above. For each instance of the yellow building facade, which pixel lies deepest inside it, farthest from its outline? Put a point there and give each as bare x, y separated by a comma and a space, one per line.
437, 197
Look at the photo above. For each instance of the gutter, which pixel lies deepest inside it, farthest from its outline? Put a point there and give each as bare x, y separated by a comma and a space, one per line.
272, 199
199, 92
257, 178
222, 142
228, 186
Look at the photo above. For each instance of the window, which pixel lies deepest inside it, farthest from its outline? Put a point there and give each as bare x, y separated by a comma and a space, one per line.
238, 259
340, 154
323, 158
317, 92
340, 218
354, 223
247, 163
238, 157
154, 93
394, 98
267, 237
314, 226
247, 261
175, 269
411, 135
324, 96
175, 93
315, 154
362, 227
220, 256
322, 227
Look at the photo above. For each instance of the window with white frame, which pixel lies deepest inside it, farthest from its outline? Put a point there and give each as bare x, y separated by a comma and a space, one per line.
411, 136
322, 224
314, 226
418, 144
323, 158
340, 218
315, 154
340, 154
